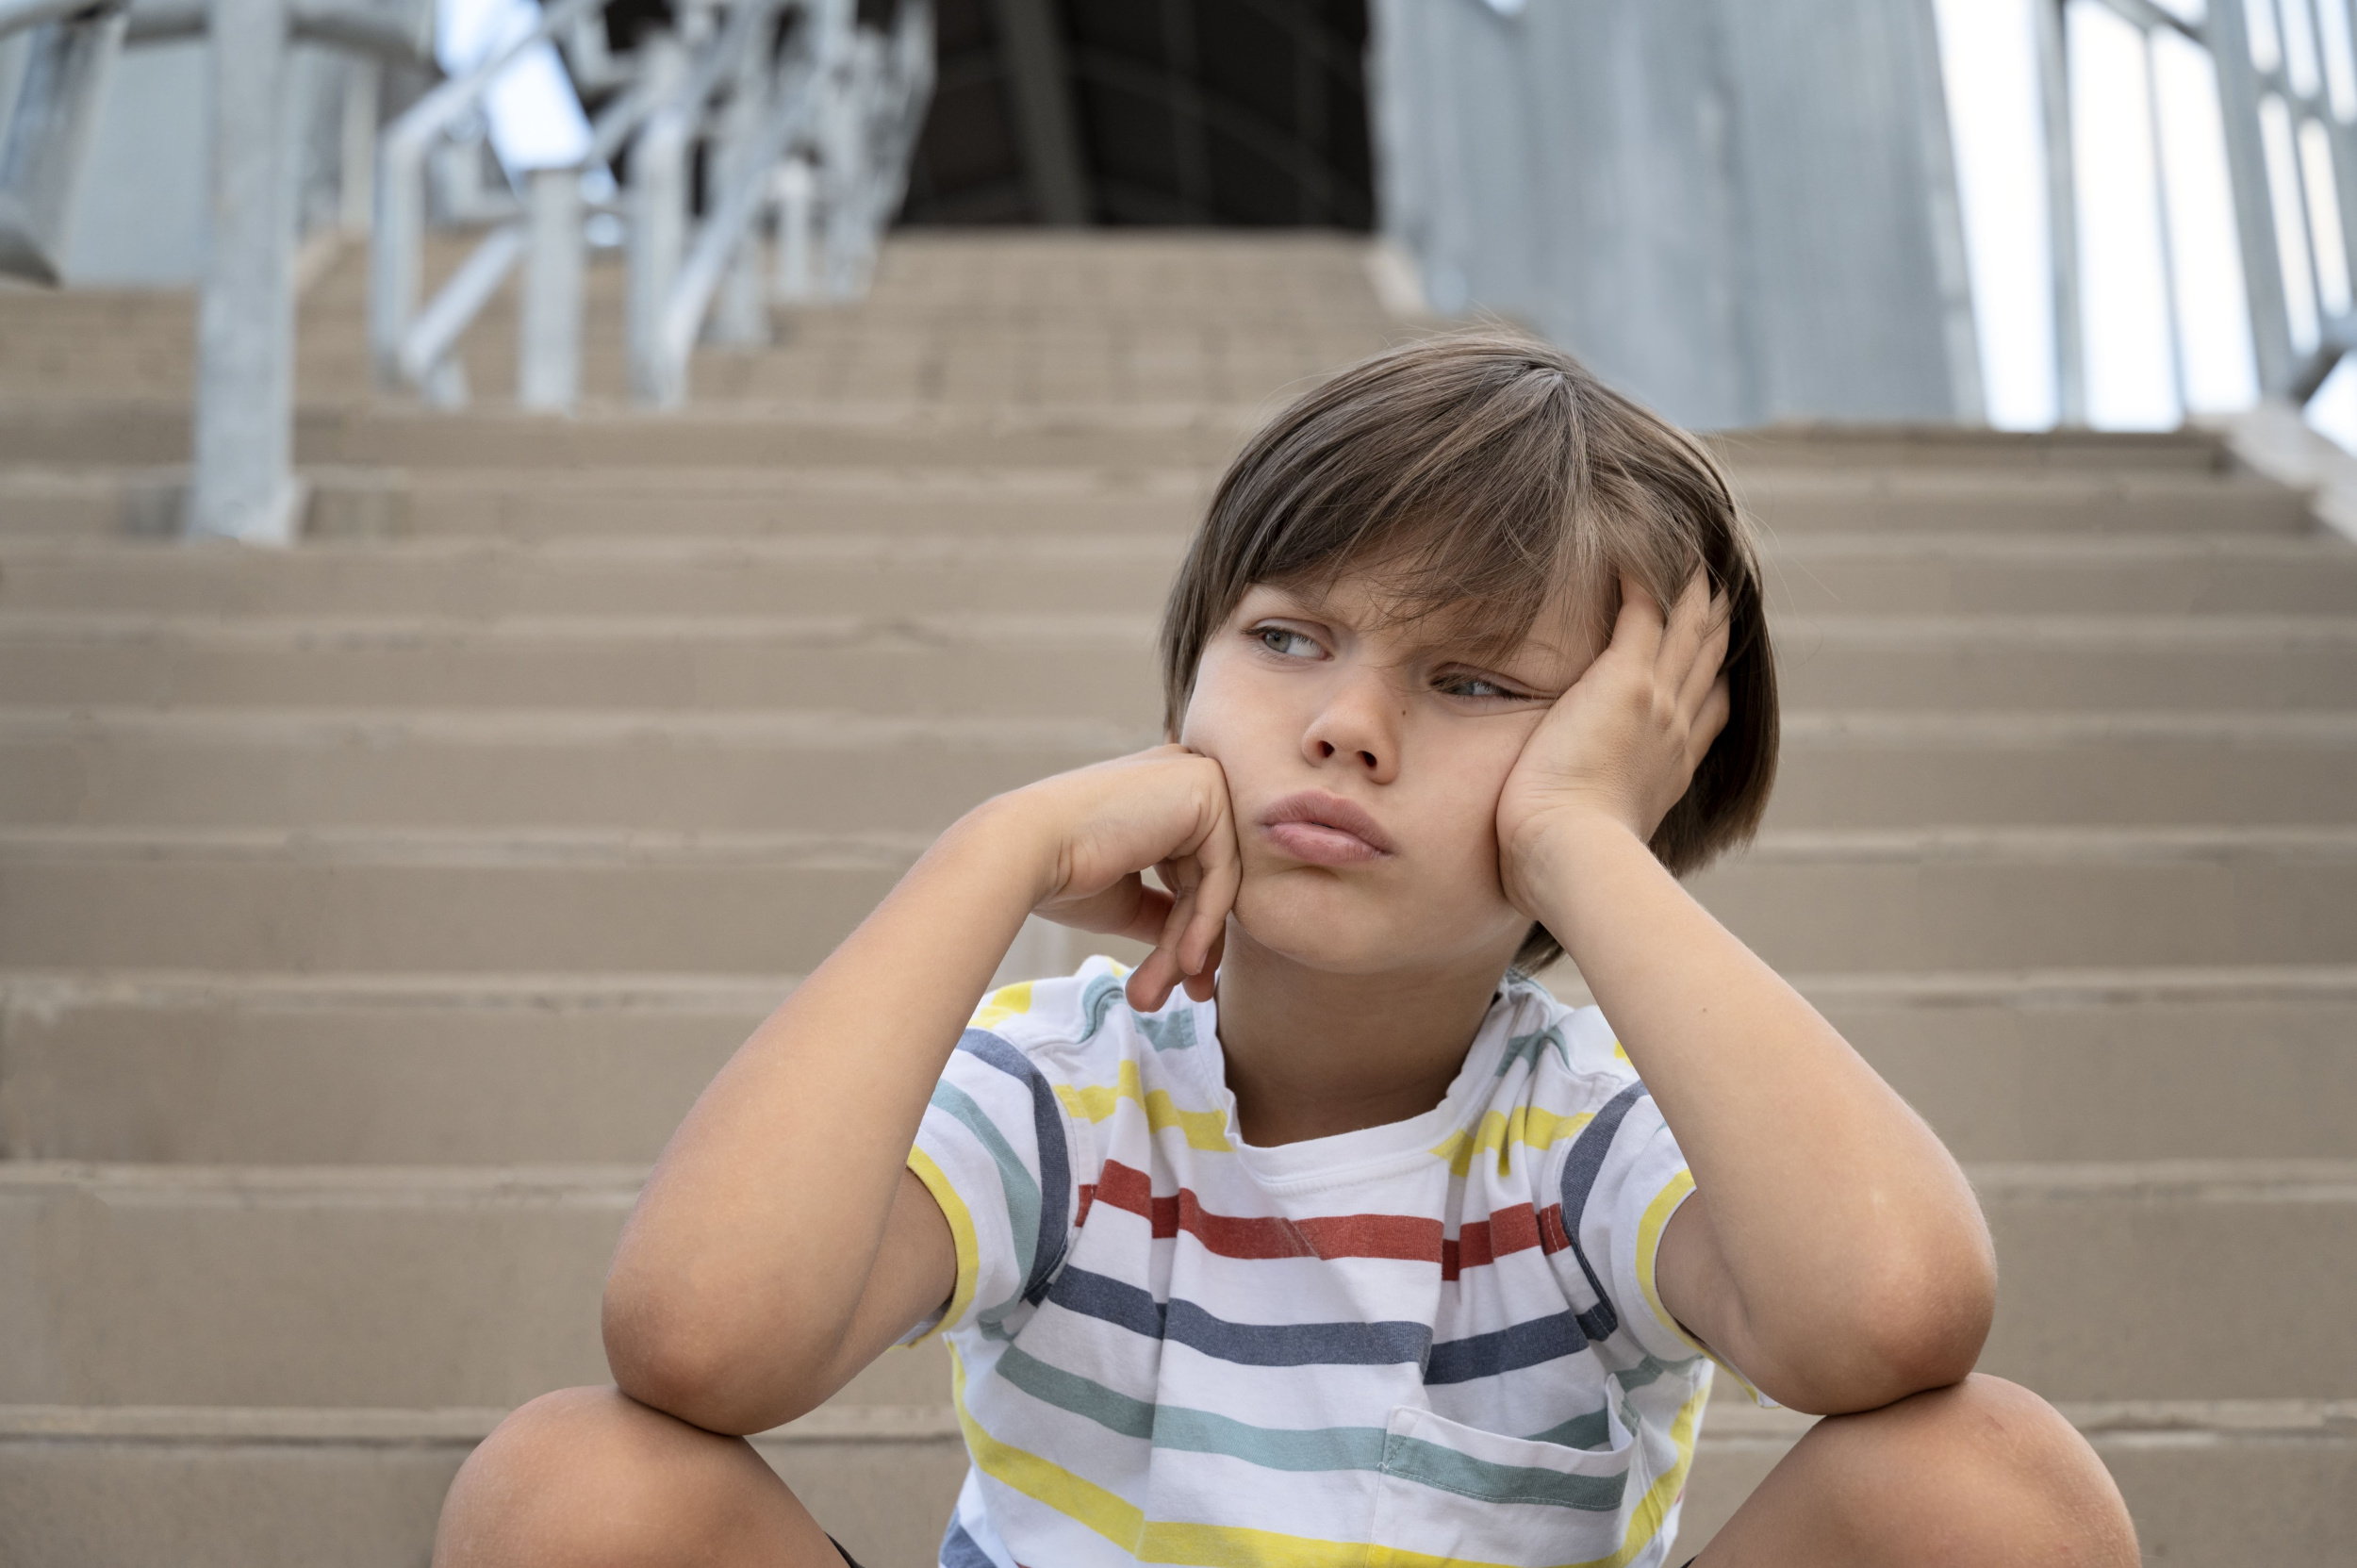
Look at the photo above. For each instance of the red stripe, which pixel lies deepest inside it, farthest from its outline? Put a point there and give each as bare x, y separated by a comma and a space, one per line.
1515, 1229
1088, 1196
1403, 1236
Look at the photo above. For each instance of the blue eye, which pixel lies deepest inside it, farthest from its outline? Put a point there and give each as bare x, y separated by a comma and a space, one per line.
1292, 644
1476, 686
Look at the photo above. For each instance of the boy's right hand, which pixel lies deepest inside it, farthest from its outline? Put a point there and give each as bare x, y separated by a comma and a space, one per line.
1104, 825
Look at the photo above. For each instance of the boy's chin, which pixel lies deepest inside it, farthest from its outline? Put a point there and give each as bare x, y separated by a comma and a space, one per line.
1329, 930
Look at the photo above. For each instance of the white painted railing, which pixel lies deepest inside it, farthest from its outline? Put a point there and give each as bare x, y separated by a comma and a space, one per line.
2286, 75
825, 119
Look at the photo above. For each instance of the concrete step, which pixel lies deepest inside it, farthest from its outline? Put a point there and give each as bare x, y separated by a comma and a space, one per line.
214, 1487
521, 1069
2105, 483
417, 1288
651, 510
64, 433
582, 900
1092, 665
1853, 446
809, 573
769, 771
785, 470
300, 1487
1025, 558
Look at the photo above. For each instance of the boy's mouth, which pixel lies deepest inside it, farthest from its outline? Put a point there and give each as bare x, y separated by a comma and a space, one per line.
1324, 830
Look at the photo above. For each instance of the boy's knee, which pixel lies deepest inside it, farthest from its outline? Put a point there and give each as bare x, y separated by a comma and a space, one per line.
1984, 1471
587, 1478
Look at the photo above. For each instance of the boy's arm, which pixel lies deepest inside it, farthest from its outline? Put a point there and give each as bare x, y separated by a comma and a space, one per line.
1832, 1250
781, 1242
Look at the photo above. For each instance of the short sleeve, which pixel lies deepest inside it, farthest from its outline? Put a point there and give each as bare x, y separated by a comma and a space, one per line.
1618, 1181
995, 1150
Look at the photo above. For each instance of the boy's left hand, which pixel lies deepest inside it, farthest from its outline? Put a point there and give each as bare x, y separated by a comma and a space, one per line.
1622, 745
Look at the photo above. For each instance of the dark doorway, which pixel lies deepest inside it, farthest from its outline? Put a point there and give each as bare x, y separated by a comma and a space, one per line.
1216, 112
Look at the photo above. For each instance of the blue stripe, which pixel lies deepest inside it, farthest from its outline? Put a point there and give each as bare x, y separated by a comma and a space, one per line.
1125, 1306
1096, 1002
1581, 1167
1509, 1350
1055, 1162
961, 1550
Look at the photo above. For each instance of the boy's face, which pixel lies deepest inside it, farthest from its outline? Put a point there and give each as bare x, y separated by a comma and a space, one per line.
1365, 757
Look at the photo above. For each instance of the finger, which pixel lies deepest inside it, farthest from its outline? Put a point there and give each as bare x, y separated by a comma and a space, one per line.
1150, 984
1221, 872
1716, 710
1165, 966
1639, 626
1709, 662
1205, 980
1689, 624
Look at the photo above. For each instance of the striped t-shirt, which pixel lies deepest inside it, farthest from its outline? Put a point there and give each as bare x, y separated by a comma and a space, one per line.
1435, 1341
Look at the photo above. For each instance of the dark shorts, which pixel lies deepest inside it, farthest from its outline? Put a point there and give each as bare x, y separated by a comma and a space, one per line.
848, 1560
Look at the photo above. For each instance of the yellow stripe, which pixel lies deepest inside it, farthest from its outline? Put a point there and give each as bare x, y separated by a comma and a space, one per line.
1124, 1524
1527, 1125
1008, 1002
961, 1230
1658, 1213
1204, 1129
1660, 1497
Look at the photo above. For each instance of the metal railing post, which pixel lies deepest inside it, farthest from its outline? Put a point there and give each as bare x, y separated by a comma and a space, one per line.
658, 223
2062, 215
740, 316
797, 185
548, 339
244, 487
2255, 212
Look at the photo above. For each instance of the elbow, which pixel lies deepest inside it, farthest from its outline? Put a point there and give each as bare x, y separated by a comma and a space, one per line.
1932, 1337
1920, 1326
697, 1365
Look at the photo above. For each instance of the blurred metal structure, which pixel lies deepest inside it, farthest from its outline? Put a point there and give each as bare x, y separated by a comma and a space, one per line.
794, 107
1742, 214
773, 82
2286, 74
54, 66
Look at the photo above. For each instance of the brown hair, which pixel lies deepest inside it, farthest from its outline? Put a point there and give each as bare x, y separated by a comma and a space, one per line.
1490, 471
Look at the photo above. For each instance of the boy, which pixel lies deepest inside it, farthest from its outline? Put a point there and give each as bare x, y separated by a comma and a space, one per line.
1327, 1235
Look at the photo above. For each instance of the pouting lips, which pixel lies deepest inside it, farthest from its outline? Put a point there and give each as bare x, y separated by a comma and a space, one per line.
1324, 830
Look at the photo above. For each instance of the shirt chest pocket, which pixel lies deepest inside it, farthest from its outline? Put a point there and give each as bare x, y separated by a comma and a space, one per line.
1450, 1493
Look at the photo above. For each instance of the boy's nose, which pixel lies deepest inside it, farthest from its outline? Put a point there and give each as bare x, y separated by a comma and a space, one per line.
1354, 729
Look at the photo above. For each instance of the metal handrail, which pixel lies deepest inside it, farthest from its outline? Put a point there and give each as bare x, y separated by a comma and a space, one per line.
839, 100
2270, 193
396, 239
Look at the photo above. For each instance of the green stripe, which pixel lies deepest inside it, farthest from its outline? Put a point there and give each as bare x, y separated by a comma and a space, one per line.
1193, 1432
1312, 1448
1446, 1470
1592, 1430
1022, 1190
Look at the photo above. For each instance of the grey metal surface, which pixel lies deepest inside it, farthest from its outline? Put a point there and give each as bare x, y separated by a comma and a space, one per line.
44, 142
1742, 213
243, 486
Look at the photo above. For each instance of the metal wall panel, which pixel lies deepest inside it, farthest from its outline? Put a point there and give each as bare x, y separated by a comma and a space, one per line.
1739, 212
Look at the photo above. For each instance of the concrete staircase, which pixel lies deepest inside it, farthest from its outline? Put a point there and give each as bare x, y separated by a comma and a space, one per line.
370, 912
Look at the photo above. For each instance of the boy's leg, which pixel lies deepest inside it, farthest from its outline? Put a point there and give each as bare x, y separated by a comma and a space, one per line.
1983, 1474
587, 1478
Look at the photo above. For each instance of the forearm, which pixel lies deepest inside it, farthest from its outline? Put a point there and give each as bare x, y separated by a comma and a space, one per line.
749, 1250
1853, 1250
